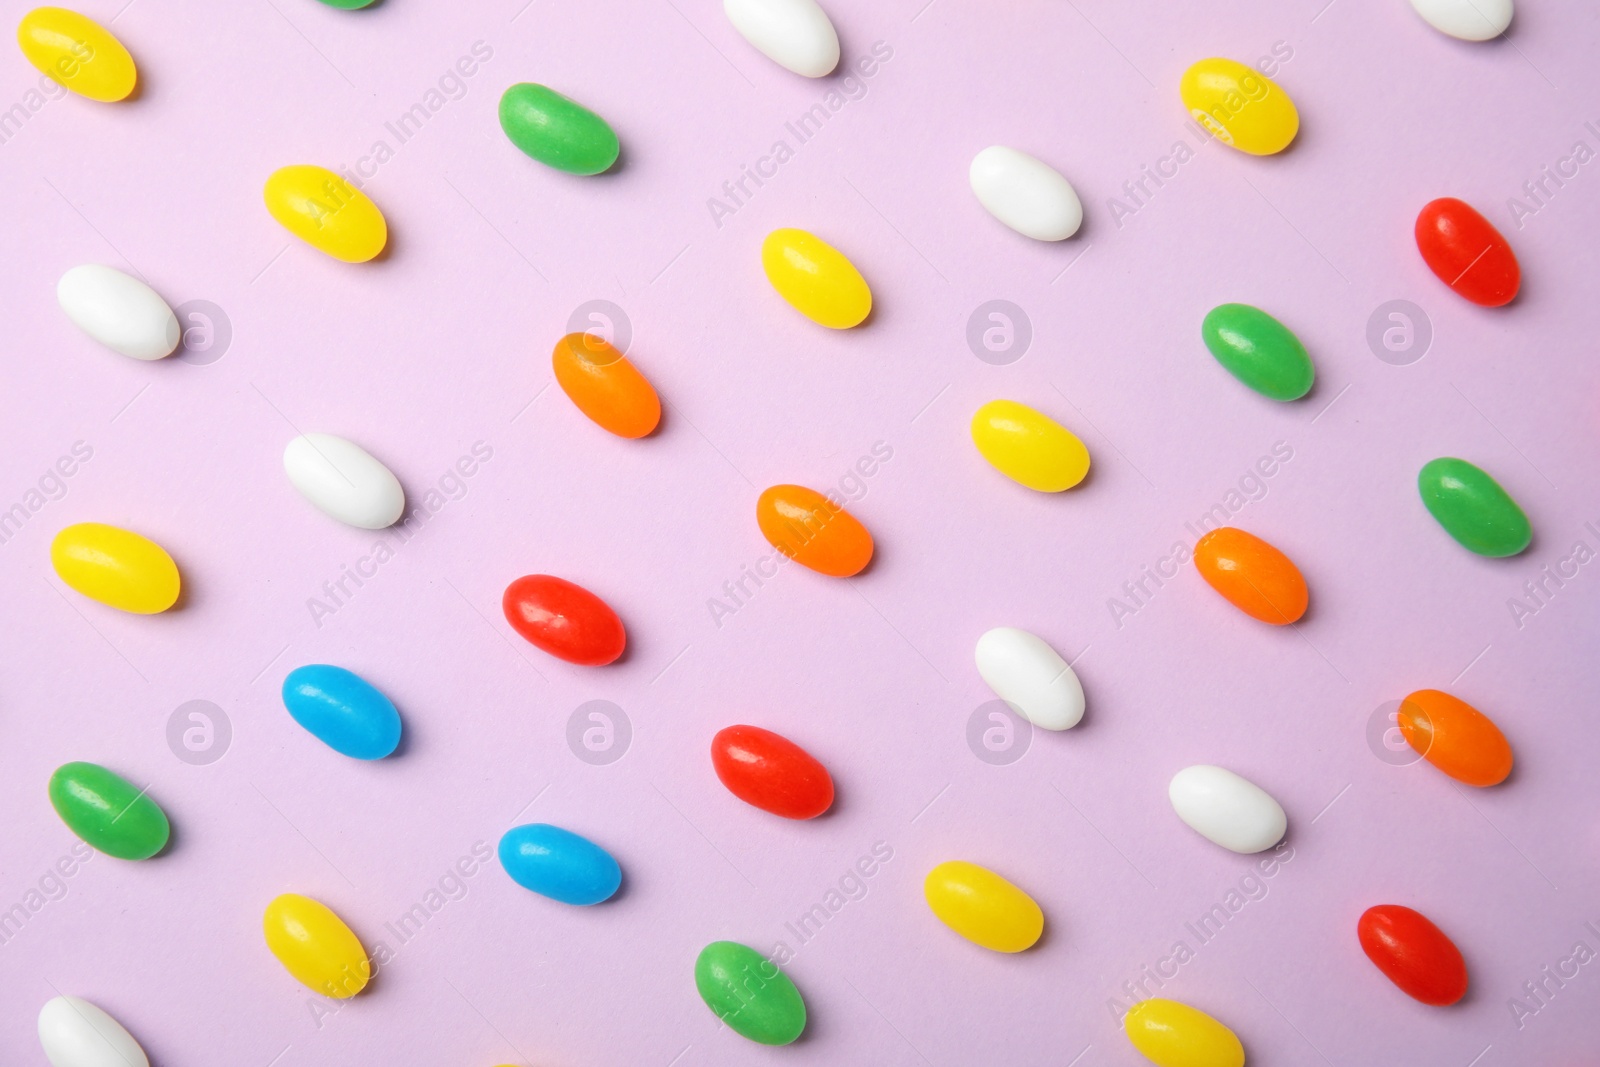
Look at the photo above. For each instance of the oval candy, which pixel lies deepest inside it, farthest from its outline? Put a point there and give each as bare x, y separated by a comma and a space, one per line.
771, 772
1472, 508
1258, 350
343, 481
1031, 677
110, 813
1227, 809
983, 907
119, 311
1169, 1033
327, 212
1240, 106
117, 567
749, 993
1466, 252
76, 1033
1252, 575
564, 619
600, 381
342, 710
349, 5
815, 278
556, 131
1029, 447
1026, 194
814, 532
77, 53
1468, 20
559, 864
795, 34
1455, 737
316, 947
1413, 953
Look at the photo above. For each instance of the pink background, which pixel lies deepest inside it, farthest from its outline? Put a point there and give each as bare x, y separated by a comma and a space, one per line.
445, 342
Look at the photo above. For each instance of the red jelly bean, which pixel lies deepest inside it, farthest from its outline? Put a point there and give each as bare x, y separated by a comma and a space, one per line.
1413, 953
565, 620
1467, 253
771, 772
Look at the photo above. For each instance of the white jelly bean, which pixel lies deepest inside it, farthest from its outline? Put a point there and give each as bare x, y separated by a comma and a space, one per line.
344, 481
1029, 675
796, 34
119, 311
1029, 196
1470, 20
75, 1033
1227, 809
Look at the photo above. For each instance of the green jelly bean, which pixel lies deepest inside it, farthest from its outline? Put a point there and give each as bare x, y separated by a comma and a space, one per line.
109, 812
558, 132
1473, 508
349, 5
1258, 350
748, 992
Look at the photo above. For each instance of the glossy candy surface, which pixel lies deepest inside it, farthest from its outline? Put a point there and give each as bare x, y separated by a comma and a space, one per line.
1169, 1033
1455, 737
748, 992
1030, 676
1413, 953
342, 710
349, 5
1227, 809
605, 386
1473, 508
110, 813
808, 528
76, 1033
1029, 447
77, 52
344, 481
1252, 575
795, 34
559, 864
1469, 20
1025, 193
117, 567
983, 907
119, 311
771, 772
1239, 105
557, 131
815, 278
564, 619
1467, 253
315, 946
1258, 350
326, 212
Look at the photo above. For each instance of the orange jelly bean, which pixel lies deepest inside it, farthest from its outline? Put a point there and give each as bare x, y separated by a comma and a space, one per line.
1254, 576
605, 386
813, 531
1455, 737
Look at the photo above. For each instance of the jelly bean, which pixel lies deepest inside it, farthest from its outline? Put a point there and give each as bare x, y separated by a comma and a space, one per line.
1413, 953
1258, 350
117, 567
813, 531
771, 772
1029, 447
1240, 106
110, 813
76, 1033
1026, 194
315, 946
605, 386
1455, 737
1172, 1034
343, 481
78, 53
983, 907
816, 279
795, 34
326, 212
342, 710
1467, 253
749, 993
558, 132
349, 5
559, 864
1031, 677
1470, 20
564, 619
119, 311
1472, 507
1226, 809
1252, 575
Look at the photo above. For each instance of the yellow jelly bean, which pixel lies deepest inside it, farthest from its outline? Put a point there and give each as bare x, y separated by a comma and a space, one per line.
116, 567
983, 907
815, 278
1240, 105
77, 52
1170, 1034
1029, 447
326, 212
315, 946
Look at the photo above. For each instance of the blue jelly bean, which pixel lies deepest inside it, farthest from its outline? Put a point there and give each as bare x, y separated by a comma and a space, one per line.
342, 710
559, 864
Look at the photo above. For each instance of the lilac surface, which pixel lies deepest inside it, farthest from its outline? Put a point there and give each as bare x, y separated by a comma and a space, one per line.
445, 343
